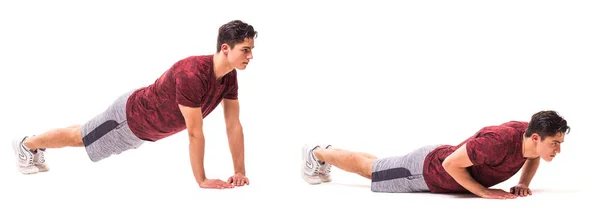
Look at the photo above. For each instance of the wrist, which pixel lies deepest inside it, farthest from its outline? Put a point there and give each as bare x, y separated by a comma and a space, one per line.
482, 191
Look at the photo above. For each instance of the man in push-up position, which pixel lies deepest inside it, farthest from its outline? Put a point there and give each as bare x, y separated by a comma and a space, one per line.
491, 156
178, 100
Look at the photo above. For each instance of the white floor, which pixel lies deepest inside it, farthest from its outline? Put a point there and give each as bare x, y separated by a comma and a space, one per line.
372, 77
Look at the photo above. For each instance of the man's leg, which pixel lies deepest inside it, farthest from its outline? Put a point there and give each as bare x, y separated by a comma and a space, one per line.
366, 155
353, 162
29, 150
56, 138
102, 136
317, 161
397, 174
325, 169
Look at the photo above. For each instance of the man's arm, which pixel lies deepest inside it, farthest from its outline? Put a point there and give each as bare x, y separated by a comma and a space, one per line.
456, 165
193, 121
235, 135
529, 169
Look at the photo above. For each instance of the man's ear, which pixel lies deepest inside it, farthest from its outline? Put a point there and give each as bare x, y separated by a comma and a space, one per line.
225, 48
535, 137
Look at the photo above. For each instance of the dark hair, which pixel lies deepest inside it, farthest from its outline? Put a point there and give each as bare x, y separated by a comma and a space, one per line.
234, 32
547, 123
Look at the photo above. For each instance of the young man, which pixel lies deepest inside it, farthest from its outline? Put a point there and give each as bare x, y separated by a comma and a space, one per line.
179, 99
492, 155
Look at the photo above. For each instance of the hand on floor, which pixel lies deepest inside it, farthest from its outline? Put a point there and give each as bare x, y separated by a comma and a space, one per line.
520, 190
215, 184
238, 179
497, 194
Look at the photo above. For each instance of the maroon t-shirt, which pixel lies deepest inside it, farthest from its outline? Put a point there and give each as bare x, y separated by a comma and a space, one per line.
153, 111
496, 153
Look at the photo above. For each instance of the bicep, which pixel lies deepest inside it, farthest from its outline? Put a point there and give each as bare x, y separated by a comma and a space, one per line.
232, 92
193, 119
458, 158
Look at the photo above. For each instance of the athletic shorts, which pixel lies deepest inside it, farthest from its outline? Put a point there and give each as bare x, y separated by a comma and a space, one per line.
108, 133
401, 174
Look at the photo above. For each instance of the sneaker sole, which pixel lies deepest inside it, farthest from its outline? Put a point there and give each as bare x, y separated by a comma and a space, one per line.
307, 179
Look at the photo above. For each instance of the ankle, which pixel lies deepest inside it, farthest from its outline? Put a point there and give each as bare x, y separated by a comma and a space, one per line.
27, 145
318, 152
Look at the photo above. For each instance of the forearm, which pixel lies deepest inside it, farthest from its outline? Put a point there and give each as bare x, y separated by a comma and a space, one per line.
197, 157
462, 177
235, 135
529, 169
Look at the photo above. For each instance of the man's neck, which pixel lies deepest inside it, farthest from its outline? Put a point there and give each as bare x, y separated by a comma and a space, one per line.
221, 65
528, 148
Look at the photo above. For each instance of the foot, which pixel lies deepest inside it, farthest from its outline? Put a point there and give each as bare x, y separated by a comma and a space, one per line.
325, 170
24, 157
310, 165
39, 161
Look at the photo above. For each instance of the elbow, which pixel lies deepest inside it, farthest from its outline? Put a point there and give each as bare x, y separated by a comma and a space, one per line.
233, 126
194, 136
448, 165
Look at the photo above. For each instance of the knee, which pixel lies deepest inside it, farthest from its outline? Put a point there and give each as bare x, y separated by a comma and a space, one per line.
367, 169
75, 137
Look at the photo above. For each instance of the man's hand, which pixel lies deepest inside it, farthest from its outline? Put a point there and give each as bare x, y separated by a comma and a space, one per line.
215, 184
238, 179
497, 194
520, 190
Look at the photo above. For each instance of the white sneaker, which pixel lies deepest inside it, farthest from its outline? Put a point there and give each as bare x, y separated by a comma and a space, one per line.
325, 170
39, 161
24, 157
310, 165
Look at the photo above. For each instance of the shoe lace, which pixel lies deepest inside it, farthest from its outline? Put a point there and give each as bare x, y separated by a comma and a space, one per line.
326, 169
315, 171
40, 154
30, 158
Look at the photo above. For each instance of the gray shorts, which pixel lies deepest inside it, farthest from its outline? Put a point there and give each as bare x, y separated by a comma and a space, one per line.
401, 174
108, 133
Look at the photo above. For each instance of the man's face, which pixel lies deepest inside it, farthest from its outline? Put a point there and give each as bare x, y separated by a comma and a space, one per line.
240, 55
550, 146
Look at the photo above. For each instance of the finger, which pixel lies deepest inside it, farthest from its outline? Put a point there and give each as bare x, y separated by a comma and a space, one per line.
514, 195
246, 181
512, 190
238, 182
227, 185
529, 191
221, 184
230, 180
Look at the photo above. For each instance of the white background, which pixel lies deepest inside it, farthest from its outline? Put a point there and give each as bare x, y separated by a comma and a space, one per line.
362, 75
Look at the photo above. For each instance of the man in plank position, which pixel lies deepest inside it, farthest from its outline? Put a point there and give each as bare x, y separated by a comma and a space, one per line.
179, 99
